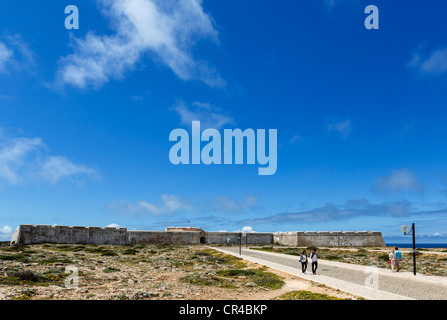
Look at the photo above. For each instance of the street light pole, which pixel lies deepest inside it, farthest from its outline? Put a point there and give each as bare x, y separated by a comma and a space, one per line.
414, 249
240, 243
404, 229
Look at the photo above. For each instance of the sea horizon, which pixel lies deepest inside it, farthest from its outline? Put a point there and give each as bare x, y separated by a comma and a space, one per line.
418, 245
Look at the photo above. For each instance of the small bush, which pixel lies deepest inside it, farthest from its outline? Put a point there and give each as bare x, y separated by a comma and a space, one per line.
16, 276
130, 251
262, 278
207, 280
55, 260
122, 296
383, 257
333, 257
306, 295
71, 248
27, 275
14, 248
95, 250
26, 295
110, 270
15, 257
108, 254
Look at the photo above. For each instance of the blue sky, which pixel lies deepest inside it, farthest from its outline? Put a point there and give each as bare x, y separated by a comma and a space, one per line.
85, 115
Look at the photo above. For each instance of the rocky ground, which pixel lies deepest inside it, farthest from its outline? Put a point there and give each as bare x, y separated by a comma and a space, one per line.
144, 272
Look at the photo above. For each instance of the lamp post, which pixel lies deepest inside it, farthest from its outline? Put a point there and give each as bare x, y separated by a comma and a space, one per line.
405, 230
240, 243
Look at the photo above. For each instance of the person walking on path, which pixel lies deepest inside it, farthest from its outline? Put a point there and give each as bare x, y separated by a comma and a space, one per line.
314, 259
303, 260
398, 258
392, 256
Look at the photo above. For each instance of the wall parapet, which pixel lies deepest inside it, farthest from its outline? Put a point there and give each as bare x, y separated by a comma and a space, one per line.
35, 234
330, 238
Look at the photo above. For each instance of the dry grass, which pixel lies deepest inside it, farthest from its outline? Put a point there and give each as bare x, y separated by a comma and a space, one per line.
140, 272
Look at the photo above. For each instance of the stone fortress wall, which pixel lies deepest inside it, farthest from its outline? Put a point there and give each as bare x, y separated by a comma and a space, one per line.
34, 234
329, 239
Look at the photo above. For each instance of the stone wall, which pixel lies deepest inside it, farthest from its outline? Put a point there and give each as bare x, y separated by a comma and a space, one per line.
33, 234
196, 237
164, 237
329, 239
233, 237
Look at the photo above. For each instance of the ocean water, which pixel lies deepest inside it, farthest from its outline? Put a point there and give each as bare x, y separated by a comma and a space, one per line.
418, 245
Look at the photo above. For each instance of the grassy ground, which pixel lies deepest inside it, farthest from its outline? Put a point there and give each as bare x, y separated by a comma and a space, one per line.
136, 272
430, 264
306, 295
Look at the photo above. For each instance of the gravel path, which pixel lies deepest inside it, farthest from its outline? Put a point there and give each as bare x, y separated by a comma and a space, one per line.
368, 282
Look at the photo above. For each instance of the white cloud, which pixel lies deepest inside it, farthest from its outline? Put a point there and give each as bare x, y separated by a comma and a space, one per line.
14, 54
398, 180
172, 204
124, 207
5, 56
227, 205
332, 212
113, 225
13, 156
57, 168
23, 159
169, 204
434, 63
164, 29
5, 231
209, 115
247, 229
342, 127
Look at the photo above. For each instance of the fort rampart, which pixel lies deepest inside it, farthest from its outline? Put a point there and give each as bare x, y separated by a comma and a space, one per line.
329, 239
34, 234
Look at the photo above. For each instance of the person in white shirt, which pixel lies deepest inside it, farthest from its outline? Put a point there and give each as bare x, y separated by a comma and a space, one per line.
392, 256
303, 260
314, 259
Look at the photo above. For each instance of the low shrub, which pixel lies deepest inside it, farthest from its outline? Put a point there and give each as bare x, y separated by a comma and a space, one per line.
306, 295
